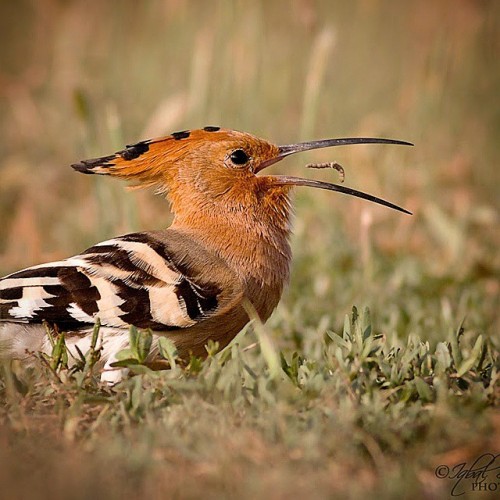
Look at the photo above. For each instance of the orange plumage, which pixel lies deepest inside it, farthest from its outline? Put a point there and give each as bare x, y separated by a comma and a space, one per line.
228, 243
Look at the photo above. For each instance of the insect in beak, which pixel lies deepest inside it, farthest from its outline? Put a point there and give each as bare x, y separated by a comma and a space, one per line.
290, 149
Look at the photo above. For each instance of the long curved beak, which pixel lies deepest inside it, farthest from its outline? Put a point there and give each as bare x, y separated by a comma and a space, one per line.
290, 149
284, 180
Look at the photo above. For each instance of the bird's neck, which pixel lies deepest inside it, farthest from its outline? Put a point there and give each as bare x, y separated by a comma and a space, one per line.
253, 241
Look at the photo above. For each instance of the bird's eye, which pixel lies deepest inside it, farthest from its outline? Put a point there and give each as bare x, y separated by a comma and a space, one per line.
239, 157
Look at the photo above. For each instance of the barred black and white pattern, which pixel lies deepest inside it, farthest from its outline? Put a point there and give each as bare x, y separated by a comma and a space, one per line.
148, 280
130, 280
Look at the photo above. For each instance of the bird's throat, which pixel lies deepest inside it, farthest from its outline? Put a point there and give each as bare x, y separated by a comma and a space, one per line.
253, 240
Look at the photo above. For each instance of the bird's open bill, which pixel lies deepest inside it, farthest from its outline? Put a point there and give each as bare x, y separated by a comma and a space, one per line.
290, 149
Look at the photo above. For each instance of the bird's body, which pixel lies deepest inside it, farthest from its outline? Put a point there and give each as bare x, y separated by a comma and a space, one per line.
228, 244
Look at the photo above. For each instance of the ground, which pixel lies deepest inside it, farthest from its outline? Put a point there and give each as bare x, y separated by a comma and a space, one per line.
380, 368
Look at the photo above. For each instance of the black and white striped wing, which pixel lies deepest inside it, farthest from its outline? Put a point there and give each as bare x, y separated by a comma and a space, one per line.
132, 280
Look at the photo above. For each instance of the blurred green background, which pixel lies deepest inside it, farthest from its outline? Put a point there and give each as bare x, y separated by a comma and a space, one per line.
80, 79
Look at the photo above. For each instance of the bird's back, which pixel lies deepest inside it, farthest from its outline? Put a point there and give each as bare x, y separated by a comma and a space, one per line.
162, 280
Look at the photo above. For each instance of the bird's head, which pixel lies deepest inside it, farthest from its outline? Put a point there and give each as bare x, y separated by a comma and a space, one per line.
215, 166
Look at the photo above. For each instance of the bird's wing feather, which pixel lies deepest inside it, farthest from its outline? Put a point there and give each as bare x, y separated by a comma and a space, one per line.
137, 279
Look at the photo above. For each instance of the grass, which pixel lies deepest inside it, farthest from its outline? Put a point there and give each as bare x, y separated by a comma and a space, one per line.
325, 400
347, 413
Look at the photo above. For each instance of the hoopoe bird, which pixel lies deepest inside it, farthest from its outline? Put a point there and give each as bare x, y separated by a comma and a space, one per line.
228, 243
